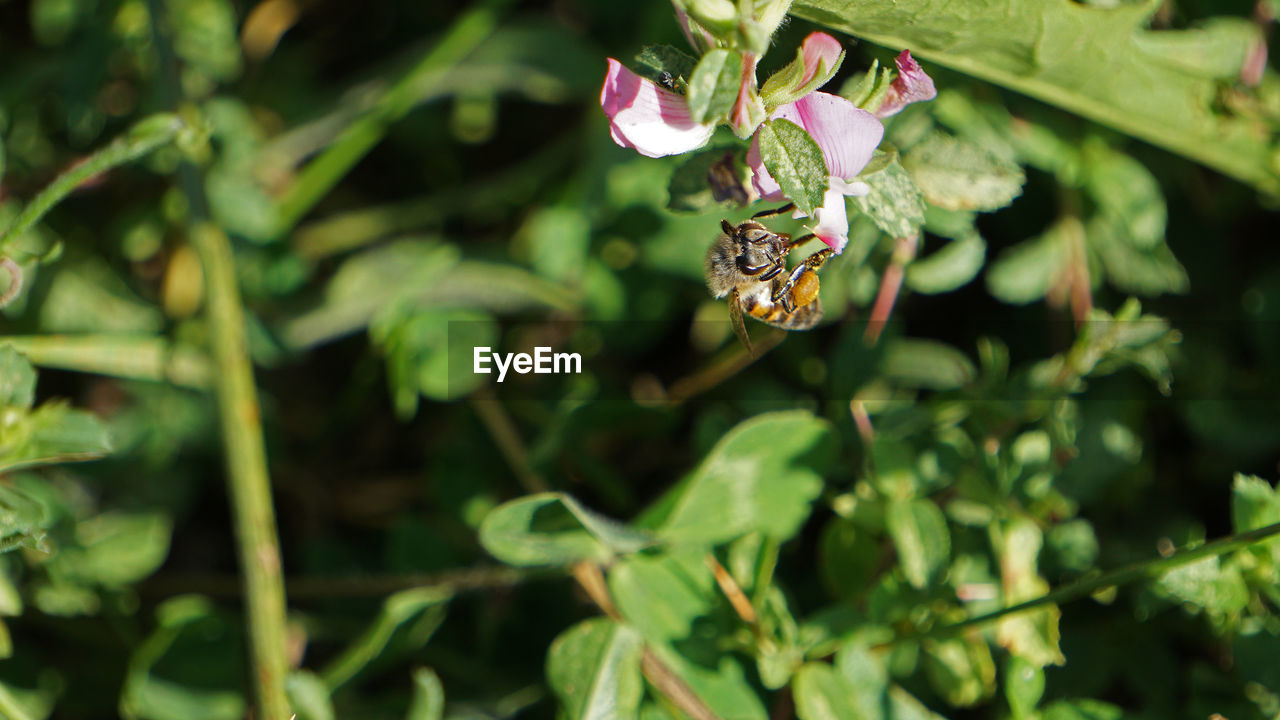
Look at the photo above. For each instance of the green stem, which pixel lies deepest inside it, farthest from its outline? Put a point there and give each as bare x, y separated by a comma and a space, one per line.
1147, 569
322, 174
255, 519
138, 357
147, 135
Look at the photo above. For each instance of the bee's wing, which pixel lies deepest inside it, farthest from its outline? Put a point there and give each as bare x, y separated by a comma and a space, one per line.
739, 327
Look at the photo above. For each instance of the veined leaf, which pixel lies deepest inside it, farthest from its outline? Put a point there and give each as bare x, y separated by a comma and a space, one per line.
594, 668
795, 161
1102, 63
763, 476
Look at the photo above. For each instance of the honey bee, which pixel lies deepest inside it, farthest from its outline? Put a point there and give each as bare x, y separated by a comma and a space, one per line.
748, 264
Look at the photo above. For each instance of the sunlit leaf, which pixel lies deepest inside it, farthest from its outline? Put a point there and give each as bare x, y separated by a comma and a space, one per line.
920, 535
1100, 63
894, 203
594, 669
554, 529
761, 476
795, 161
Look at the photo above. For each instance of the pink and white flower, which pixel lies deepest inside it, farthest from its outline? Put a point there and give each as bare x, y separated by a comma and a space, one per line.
847, 136
911, 85
651, 120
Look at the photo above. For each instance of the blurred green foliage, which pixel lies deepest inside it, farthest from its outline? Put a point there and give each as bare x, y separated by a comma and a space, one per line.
794, 536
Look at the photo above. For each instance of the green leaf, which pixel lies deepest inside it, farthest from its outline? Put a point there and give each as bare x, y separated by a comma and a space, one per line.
668, 598
926, 364
714, 87
115, 549
1023, 686
777, 86
1209, 585
432, 352
795, 161
1025, 273
867, 678
594, 669
920, 535
17, 379
22, 704
894, 203
657, 59
762, 476
822, 693
1255, 504
1032, 635
904, 706
308, 696
784, 86
189, 631
428, 696
397, 610
1082, 710
52, 433
1126, 192
950, 268
1132, 269
961, 670
1100, 63
955, 174
554, 529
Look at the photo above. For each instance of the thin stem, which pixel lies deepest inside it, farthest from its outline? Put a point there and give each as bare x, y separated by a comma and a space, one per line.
147, 135
500, 426
311, 587
138, 357
322, 174
254, 515
904, 251
1086, 586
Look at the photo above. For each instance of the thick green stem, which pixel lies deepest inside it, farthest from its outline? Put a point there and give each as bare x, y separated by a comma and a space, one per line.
255, 519
1148, 569
147, 135
320, 175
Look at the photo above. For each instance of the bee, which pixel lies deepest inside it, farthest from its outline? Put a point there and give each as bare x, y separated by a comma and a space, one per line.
748, 264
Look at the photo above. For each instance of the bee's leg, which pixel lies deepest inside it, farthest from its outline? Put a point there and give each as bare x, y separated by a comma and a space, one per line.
773, 271
782, 293
792, 244
777, 211
735, 320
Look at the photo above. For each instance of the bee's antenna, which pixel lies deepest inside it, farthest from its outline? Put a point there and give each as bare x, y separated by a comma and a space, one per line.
727, 227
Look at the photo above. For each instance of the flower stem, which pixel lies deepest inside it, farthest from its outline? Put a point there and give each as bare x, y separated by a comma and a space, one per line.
1145, 570
250, 487
320, 175
149, 134
254, 515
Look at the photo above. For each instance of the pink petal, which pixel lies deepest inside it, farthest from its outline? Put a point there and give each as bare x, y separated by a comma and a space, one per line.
833, 221
698, 37
650, 119
911, 85
766, 187
818, 47
847, 134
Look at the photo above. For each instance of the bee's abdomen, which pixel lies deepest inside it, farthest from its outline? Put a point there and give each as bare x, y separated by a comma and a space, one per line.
762, 309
